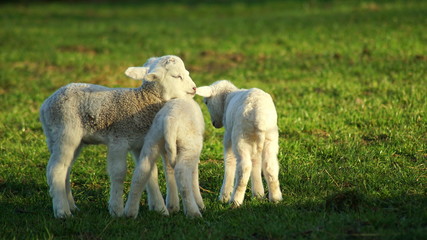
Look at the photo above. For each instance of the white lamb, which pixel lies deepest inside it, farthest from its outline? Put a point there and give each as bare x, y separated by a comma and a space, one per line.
251, 138
176, 134
80, 114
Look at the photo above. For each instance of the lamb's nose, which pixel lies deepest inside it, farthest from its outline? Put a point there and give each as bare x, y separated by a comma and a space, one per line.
194, 88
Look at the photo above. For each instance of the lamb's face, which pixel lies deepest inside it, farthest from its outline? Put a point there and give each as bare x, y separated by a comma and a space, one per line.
176, 80
215, 106
169, 71
214, 98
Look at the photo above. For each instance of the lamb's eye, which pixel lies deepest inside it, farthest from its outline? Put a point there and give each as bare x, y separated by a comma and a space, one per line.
178, 76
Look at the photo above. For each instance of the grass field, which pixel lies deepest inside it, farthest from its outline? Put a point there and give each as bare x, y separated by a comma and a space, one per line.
349, 83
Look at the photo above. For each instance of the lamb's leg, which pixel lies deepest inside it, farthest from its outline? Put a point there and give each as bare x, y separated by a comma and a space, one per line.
270, 167
172, 198
71, 201
183, 175
117, 170
196, 188
152, 186
156, 201
155, 198
144, 171
256, 179
243, 172
229, 170
57, 169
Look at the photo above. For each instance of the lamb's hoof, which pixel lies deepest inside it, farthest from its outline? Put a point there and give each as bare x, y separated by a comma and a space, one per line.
62, 214
258, 196
224, 198
276, 198
201, 206
161, 209
235, 204
173, 209
193, 215
130, 215
116, 212
164, 212
74, 208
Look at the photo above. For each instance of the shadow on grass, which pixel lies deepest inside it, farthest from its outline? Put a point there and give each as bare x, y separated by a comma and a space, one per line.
26, 207
21, 199
348, 214
28, 197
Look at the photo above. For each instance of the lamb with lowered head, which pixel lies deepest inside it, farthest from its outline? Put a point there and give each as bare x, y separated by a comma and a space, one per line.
250, 139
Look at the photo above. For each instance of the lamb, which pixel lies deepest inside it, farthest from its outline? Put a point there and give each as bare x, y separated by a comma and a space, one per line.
176, 134
250, 139
79, 114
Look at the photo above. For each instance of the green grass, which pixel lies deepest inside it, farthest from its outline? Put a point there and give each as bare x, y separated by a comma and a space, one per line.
348, 79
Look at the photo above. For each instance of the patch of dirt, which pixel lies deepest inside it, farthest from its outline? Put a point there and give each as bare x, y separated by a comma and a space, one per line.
420, 57
318, 133
372, 138
344, 200
370, 6
79, 49
211, 61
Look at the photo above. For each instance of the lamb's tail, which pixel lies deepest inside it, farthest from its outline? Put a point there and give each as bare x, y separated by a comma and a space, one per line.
260, 143
171, 129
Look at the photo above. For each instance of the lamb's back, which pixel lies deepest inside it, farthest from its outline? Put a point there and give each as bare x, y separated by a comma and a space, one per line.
250, 109
101, 110
187, 114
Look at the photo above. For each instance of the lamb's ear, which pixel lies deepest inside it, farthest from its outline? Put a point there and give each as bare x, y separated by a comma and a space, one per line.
152, 76
137, 73
205, 91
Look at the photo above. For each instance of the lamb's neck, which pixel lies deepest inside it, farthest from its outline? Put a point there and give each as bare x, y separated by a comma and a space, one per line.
225, 96
150, 90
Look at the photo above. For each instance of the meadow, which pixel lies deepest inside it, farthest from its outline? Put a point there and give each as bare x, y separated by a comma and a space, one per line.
348, 79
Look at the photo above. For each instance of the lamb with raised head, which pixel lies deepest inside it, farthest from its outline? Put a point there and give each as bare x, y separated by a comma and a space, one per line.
80, 114
177, 135
250, 139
